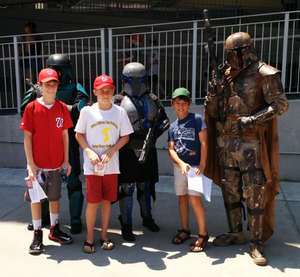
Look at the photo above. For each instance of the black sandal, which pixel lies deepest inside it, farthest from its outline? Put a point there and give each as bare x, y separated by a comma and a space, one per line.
90, 245
199, 247
107, 244
181, 236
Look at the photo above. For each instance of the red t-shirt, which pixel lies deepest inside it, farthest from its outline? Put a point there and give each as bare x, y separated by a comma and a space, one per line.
46, 126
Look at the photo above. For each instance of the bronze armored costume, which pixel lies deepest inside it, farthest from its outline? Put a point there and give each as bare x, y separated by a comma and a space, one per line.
243, 142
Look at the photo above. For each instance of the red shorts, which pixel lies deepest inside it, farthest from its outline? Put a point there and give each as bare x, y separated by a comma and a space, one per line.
100, 188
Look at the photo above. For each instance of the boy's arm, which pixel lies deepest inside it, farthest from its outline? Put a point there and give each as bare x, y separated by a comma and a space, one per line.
105, 157
31, 166
203, 142
65, 138
174, 156
92, 155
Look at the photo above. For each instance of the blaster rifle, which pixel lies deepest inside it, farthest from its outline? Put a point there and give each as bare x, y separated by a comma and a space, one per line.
218, 70
150, 138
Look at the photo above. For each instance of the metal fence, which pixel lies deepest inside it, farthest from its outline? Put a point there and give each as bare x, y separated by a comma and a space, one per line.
175, 52
172, 53
24, 56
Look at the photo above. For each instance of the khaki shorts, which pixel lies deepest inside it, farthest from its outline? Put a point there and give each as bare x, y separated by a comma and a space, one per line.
51, 185
181, 183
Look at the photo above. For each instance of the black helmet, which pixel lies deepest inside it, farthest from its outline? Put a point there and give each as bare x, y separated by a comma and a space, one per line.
62, 65
134, 79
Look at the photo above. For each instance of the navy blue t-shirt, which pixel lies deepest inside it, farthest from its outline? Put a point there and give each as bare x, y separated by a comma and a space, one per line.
185, 135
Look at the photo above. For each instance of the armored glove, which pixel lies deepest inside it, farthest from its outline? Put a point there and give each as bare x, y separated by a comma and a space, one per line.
245, 122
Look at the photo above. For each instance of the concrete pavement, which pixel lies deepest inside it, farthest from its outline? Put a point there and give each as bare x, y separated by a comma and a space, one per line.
152, 253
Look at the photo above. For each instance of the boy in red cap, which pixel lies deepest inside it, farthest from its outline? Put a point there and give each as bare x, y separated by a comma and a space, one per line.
45, 123
102, 129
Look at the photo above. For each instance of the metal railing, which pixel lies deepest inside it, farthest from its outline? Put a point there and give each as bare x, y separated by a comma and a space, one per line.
173, 54
24, 56
175, 51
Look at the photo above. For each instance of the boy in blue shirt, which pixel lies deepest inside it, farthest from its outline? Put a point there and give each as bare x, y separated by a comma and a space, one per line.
187, 143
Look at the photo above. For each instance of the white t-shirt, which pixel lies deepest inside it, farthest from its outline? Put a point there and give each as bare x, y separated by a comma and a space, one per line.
102, 129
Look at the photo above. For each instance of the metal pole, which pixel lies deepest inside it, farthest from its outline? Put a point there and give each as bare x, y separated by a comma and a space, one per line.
110, 54
285, 47
194, 65
103, 54
17, 70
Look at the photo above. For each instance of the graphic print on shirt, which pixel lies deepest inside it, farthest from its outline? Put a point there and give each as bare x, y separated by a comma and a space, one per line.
59, 122
181, 134
105, 132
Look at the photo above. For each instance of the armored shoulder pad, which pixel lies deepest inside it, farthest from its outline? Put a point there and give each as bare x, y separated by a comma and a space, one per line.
266, 70
80, 88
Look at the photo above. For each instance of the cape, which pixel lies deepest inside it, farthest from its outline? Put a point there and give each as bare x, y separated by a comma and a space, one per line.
269, 148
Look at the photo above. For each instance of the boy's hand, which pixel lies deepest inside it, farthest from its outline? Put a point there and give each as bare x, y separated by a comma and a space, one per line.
199, 169
184, 168
67, 166
106, 156
32, 170
93, 156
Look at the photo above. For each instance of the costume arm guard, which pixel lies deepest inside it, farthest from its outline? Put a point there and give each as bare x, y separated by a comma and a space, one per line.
82, 97
274, 97
163, 121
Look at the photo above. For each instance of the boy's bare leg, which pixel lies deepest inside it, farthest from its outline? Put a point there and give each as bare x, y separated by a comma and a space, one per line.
91, 214
198, 209
184, 211
36, 212
54, 207
105, 216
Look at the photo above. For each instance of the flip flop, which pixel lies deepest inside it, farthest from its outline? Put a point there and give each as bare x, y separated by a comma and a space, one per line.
181, 236
107, 244
90, 245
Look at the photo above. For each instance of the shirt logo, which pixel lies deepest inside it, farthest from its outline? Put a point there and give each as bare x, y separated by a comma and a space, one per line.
105, 133
50, 72
59, 122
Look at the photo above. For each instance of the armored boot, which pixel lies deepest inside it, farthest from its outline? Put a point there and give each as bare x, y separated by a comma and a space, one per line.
257, 253
149, 223
255, 210
144, 199
236, 235
229, 239
126, 230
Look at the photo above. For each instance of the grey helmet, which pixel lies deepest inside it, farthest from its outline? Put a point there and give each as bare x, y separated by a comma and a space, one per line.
134, 79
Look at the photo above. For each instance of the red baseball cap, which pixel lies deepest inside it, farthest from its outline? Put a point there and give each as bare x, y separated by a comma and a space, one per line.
103, 81
48, 74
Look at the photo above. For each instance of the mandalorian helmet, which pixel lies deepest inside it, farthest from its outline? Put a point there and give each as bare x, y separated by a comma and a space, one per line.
62, 65
134, 79
239, 50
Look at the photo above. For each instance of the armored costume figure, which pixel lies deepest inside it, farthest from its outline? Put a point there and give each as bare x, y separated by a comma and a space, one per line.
75, 97
138, 158
243, 142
